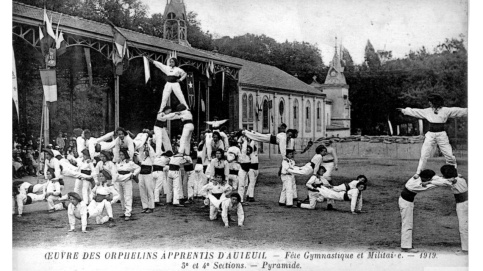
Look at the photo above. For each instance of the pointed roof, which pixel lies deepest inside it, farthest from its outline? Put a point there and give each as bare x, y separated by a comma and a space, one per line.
335, 76
177, 7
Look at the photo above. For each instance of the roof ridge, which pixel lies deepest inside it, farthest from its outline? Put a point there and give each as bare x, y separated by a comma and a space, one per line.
89, 20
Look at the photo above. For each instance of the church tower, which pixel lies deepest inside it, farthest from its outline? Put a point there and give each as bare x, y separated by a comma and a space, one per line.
175, 22
337, 91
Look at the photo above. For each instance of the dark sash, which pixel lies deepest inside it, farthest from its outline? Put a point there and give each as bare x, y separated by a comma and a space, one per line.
145, 169
408, 195
461, 197
436, 127
172, 78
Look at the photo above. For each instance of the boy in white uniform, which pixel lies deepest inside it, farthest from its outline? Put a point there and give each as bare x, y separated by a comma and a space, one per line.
286, 196
186, 118
312, 184
459, 187
174, 76
127, 171
161, 138
232, 204
53, 192
25, 193
280, 139
426, 180
437, 115
123, 141
77, 209
103, 196
253, 172
160, 176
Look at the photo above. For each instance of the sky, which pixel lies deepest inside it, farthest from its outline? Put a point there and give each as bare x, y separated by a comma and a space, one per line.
395, 25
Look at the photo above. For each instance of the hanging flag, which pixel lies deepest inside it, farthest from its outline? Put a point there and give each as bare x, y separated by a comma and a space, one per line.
14, 84
190, 82
41, 35
48, 24
49, 82
147, 71
120, 52
212, 67
87, 53
207, 70
202, 105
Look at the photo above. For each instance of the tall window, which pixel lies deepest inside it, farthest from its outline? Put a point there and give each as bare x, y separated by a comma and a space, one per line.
308, 119
265, 114
319, 119
250, 107
281, 109
244, 108
296, 114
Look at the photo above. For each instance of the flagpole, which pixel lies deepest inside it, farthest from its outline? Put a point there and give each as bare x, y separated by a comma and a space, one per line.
41, 123
116, 102
199, 104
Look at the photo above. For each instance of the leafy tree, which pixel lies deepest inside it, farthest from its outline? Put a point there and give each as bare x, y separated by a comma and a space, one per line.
371, 58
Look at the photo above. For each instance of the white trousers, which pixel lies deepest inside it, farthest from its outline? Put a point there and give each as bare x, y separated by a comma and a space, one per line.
159, 179
146, 190
96, 209
195, 183
242, 183
286, 196
184, 142
69, 170
172, 87
406, 208
264, 138
215, 205
52, 205
306, 170
174, 177
161, 138
430, 141
125, 193
462, 212
139, 140
83, 188
329, 167
252, 181
314, 197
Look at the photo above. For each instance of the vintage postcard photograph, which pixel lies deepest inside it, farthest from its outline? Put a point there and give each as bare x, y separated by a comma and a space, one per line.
240, 135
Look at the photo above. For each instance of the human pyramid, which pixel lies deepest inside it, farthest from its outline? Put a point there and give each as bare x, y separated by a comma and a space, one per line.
223, 170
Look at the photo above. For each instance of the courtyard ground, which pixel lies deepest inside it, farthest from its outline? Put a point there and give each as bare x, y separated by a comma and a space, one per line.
268, 225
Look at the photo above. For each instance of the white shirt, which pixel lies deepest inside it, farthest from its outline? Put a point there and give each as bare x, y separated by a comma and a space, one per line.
215, 163
443, 113
170, 71
184, 115
78, 211
287, 164
127, 166
216, 123
127, 142
227, 206
316, 180
415, 185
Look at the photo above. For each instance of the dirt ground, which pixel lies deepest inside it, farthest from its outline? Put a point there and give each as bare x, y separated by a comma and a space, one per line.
266, 224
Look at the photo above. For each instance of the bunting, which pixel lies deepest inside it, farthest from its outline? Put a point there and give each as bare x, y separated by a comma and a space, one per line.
120, 53
147, 71
87, 53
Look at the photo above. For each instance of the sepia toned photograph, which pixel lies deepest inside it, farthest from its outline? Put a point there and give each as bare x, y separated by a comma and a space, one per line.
230, 135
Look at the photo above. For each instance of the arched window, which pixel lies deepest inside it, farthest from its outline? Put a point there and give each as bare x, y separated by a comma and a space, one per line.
244, 108
308, 120
281, 110
296, 114
319, 117
265, 114
250, 107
